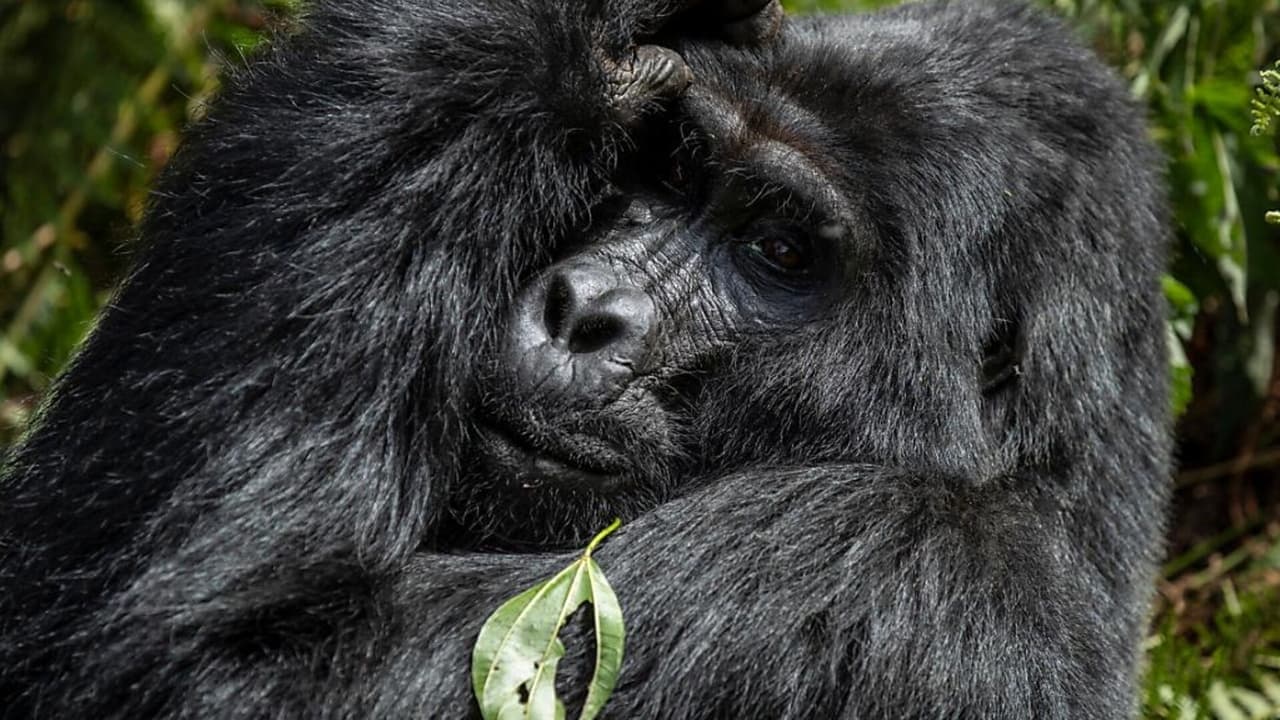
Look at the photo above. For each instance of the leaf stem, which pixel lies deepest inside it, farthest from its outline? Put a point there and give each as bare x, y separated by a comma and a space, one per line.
600, 536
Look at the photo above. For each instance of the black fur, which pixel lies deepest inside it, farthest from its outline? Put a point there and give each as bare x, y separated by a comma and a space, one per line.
230, 505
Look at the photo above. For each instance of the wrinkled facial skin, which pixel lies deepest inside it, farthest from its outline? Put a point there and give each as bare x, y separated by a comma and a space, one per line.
598, 374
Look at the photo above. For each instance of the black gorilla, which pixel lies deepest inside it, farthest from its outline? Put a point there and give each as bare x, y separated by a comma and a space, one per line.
855, 320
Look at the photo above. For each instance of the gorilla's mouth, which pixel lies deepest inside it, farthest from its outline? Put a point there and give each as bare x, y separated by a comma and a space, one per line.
535, 459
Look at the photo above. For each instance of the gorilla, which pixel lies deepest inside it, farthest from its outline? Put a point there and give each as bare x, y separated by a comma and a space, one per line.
855, 321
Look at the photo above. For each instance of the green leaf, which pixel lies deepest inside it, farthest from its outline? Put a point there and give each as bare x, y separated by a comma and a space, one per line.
514, 663
1172, 34
1179, 296
610, 638
1234, 262
1184, 306
1270, 685
1254, 703
1222, 705
1180, 374
1266, 102
1223, 99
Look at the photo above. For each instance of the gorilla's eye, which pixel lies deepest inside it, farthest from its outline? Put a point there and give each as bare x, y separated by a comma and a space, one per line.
785, 254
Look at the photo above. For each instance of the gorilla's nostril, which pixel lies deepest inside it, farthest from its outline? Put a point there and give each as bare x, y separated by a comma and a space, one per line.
619, 319
559, 304
594, 332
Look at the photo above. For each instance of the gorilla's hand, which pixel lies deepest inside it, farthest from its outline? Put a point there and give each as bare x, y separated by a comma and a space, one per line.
651, 72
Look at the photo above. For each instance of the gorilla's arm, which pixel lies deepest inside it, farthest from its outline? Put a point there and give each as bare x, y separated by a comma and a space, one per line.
844, 591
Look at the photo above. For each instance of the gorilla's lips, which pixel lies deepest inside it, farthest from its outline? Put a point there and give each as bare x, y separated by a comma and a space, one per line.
531, 459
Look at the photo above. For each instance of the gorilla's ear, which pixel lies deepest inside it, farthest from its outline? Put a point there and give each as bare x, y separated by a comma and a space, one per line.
1001, 354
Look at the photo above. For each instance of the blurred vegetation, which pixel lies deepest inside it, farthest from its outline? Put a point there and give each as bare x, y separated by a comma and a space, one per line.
94, 95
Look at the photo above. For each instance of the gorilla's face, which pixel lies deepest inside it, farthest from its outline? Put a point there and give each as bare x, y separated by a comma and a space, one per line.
605, 350
718, 242
771, 261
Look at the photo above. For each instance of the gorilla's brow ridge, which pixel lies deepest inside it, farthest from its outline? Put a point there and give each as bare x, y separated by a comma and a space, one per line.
767, 145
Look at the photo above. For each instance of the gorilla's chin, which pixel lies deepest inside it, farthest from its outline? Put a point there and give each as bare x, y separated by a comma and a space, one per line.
530, 461
519, 496
549, 476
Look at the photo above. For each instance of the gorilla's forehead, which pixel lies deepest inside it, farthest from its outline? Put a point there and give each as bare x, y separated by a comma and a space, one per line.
776, 140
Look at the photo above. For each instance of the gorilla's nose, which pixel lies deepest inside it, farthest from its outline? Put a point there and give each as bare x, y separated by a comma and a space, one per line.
585, 314
581, 331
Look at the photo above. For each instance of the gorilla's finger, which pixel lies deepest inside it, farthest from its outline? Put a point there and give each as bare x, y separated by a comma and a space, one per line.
651, 73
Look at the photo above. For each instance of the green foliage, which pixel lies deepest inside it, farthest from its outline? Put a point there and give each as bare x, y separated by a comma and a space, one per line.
1266, 108
1225, 666
1184, 306
513, 667
1242, 703
93, 96
1266, 102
